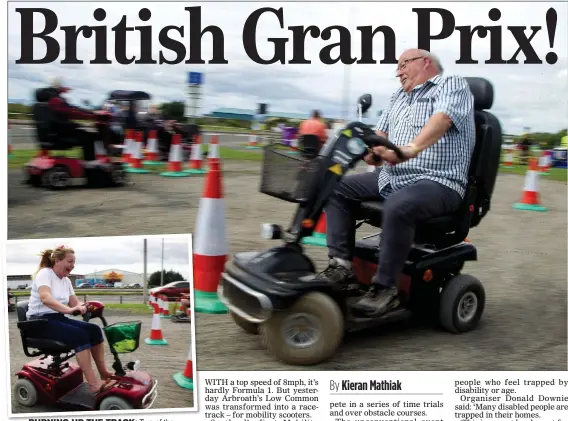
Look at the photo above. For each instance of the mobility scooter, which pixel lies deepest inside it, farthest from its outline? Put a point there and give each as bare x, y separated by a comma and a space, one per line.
52, 380
302, 320
60, 172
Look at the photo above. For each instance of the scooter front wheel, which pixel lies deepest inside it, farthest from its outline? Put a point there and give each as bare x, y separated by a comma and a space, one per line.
308, 333
114, 403
25, 392
244, 324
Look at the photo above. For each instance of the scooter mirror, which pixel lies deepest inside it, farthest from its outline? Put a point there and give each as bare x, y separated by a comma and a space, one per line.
365, 102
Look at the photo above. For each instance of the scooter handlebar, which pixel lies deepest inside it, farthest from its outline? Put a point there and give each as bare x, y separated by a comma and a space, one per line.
374, 140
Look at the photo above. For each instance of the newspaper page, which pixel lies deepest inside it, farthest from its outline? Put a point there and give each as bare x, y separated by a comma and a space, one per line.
288, 211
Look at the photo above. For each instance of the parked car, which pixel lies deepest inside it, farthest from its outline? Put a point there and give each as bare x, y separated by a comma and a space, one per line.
173, 290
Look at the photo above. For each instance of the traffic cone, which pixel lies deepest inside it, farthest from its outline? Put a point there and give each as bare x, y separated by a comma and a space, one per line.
152, 149
136, 158
174, 160
165, 308
211, 248
508, 158
252, 143
294, 147
127, 146
100, 152
184, 379
156, 335
196, 159
213, 152
543, 164
319, 237
151, 300
530, 199
9, 141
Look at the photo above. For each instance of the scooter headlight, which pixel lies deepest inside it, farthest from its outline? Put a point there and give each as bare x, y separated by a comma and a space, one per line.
271, 232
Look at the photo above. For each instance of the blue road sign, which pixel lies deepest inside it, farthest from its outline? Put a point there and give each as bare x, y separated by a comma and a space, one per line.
195, 78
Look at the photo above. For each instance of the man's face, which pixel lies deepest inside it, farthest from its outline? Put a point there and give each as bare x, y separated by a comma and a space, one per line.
410, 70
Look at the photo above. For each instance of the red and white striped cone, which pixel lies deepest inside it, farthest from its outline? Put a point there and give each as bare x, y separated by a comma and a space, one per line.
253, 141
543, 163
319, 236
530, 199
175, 160
165, 307
152, 149
213, 153
196, 158
151, 300
211, 247
136, 158
156, 335
100, 152
127, 147
184, 378
294, 147
9, 140
508, 158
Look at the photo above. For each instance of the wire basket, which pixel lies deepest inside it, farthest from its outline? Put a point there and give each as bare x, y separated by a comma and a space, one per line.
286, 176
123, 337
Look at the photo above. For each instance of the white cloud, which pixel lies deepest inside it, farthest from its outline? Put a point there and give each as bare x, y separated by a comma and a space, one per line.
101, 253
528, 93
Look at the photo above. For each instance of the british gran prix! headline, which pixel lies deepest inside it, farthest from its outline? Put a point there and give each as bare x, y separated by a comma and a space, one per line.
185, 41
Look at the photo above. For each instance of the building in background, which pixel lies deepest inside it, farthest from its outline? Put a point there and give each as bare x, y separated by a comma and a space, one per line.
25, 281
113, 276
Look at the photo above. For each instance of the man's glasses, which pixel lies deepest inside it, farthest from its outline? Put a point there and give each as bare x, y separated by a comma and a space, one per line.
402, 66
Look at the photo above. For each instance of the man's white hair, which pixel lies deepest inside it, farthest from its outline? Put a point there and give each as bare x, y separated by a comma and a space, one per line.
434, 59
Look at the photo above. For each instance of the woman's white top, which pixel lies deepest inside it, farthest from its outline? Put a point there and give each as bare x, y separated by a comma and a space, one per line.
61, 290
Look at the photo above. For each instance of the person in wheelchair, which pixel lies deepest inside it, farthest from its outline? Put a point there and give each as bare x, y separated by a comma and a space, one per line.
52, 297
69, 133
431, 117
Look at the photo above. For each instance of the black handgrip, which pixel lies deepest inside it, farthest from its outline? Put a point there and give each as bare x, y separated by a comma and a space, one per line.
375, 140
76, 313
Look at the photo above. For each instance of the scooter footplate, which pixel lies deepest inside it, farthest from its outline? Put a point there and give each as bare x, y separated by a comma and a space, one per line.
80, 396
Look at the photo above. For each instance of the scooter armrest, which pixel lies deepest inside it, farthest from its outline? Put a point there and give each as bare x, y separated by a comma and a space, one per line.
30, 325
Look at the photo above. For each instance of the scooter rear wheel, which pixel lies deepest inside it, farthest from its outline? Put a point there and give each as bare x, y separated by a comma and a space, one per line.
25, 392
114, 403
320, 315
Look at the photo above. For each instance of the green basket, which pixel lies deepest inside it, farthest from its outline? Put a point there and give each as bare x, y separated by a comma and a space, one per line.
124, 337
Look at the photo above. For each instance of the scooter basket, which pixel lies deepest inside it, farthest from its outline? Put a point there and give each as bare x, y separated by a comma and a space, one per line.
285, 176
123, 337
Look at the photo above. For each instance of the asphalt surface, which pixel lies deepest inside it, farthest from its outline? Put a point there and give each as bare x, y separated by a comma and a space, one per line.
522, 262
160, 361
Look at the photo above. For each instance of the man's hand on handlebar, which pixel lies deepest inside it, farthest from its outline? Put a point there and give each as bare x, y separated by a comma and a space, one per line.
391, 157
373, 159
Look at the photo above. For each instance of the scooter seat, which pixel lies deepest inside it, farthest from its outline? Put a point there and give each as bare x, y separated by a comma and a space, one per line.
47, 345
373, 212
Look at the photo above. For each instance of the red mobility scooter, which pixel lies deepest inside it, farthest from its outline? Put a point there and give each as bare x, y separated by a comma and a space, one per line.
52, 380
60, 172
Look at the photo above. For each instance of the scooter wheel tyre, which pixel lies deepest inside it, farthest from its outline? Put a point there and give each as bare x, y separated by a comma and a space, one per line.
25, 392
244, 324
114, 403
308, 333
462, 304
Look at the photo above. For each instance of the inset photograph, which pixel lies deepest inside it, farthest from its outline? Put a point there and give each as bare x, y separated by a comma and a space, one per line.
100, 324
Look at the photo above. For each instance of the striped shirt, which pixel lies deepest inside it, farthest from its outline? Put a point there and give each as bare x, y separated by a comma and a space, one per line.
447, 161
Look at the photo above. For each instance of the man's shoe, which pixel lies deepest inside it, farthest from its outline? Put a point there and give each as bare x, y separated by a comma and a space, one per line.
377, 301
336, 274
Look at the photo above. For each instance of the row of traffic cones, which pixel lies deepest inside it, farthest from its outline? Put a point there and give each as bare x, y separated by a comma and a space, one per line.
160, 304
137, 158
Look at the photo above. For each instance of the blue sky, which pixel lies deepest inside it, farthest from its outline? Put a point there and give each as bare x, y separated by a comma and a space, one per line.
100, 253
526, 94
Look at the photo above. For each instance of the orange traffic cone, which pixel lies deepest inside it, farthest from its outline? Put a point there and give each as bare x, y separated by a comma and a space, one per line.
213, 152
127, 148
165, 307
175, 159
319, 237
543, 163
151, 300
508, 158
530, 199
185, 379
156, 335
252, 143
136, 158
196, 159
152, 149
211, 247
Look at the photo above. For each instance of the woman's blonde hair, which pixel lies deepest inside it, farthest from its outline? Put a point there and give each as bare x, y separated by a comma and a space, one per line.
50, 256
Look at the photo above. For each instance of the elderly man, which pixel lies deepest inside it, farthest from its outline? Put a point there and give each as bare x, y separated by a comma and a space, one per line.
431, 118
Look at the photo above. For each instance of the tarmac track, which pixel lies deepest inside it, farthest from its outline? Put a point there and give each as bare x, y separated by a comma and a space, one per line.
522, 262
160, 361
